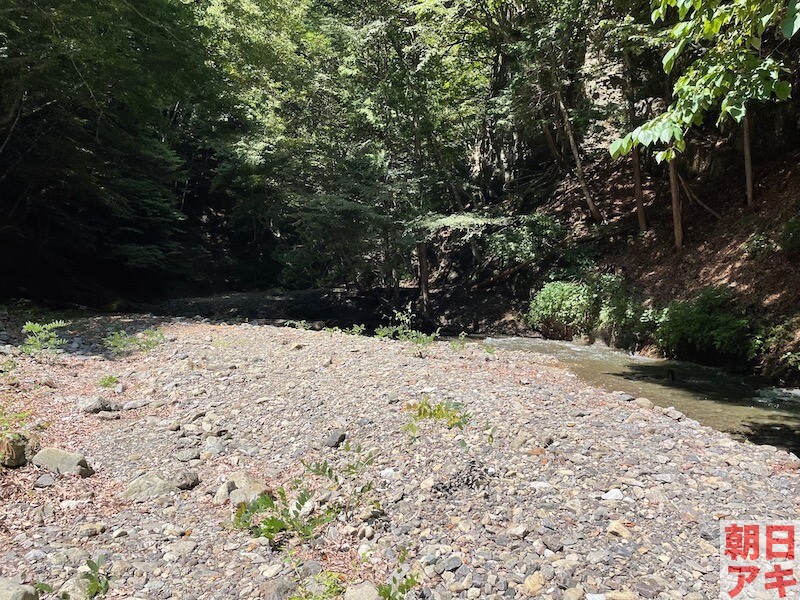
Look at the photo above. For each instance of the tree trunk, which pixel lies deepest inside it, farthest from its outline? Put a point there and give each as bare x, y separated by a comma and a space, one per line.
748, 160
637, 188
578, 164
551, 143
637, 170
677, 223
424, 292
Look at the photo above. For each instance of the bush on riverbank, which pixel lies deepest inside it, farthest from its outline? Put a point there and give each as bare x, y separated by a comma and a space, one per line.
563, 309
710, 328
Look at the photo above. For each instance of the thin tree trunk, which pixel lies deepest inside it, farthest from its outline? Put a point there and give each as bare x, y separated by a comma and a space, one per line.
424, 292
748, 160
637, 188
576, 155
637, 170
551, 143
677, 224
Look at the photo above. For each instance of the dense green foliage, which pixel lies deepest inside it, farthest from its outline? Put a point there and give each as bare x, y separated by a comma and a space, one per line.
710, 328
563, 308
711, 325
165, 146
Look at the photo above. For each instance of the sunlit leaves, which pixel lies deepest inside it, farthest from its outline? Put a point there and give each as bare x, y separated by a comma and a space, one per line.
727, 70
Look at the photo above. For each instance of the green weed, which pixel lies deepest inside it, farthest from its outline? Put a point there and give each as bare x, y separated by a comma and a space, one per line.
120, 342
452, 413
108, 381
278, 516
42, 337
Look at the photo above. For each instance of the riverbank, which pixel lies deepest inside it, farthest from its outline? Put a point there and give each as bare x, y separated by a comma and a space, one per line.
484, 473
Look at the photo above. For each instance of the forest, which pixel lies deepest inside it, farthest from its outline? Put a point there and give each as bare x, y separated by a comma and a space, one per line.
603, 168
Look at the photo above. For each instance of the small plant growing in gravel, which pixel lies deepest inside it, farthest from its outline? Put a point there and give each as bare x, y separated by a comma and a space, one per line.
325, 585
355, 495
490, 431
7, 367
98, 581
400, 583
120, 342
355, 329
280, 515
401, 330
108, 381
42, 337
460, 343
489, 349
452, 413
302, 324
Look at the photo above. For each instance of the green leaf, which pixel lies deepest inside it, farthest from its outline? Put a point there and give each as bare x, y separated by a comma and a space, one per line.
616, 148
783, 90
791, 22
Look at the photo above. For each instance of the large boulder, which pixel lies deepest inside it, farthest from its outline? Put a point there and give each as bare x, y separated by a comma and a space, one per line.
149, 485
61, 461
10, 590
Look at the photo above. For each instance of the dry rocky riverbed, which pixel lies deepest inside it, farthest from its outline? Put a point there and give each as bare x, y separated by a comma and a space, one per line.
551, 489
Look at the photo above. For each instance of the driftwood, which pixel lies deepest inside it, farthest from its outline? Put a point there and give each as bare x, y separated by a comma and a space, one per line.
693, 197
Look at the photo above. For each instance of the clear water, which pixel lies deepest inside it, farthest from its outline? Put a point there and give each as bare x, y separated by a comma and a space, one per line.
765, 415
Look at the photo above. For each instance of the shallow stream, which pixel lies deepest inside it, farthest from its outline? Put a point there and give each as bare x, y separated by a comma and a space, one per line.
743, 407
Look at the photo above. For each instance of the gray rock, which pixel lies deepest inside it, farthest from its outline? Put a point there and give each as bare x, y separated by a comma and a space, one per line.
44, 481
187, 480
188, 454
14, 451
61, 461
108, 415
362, 591
247, 488
10, 590
278, 589
613, 494
643, 403
149, 485
134, 404
76, 587
93, 404
335, 438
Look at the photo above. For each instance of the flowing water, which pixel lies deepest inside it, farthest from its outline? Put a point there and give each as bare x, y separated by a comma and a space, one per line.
743, 407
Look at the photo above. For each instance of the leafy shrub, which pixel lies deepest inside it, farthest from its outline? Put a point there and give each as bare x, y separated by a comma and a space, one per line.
452, 413
281, 515
325, 585
460, 342
622, 319
562, 309
532, 238
98, 581
120, 342
402, 330
789, 238
710, 328
108, 381
758, 245
42, 337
